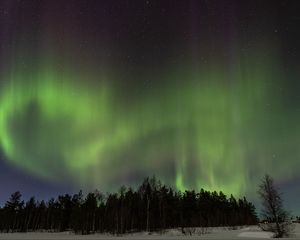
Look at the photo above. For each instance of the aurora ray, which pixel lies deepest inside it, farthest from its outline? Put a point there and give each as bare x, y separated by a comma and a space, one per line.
53, 126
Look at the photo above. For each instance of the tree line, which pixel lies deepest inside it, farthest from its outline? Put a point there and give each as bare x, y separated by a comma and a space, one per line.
153, 206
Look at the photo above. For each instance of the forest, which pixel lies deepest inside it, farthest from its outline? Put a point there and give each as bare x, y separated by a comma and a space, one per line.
152, 206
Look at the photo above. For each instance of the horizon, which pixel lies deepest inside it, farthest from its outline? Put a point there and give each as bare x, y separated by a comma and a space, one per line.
47, 196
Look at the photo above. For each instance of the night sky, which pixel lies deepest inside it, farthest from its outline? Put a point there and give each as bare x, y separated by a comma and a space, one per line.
97, 94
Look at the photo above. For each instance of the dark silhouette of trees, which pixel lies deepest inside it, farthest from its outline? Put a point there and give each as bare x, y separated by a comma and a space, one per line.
152, 207
273, 211
12, 210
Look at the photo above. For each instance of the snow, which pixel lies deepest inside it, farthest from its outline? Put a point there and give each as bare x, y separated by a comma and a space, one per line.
246, 233
259, 235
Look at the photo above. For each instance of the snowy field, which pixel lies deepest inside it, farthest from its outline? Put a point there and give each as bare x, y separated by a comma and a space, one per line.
247, 233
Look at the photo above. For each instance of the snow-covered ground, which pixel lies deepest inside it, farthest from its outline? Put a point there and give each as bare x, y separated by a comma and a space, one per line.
247, 233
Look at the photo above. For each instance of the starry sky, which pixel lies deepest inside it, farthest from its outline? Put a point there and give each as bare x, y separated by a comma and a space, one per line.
199, 93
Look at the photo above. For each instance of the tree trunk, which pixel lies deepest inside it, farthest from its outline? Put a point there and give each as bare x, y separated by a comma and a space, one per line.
148, 214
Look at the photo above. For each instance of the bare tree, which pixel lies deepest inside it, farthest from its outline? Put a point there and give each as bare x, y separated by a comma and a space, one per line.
273, 212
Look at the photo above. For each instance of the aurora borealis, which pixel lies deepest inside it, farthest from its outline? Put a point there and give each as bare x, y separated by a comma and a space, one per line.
203, 94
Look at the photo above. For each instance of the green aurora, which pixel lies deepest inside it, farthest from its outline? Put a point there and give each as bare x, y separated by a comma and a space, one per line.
216, 128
